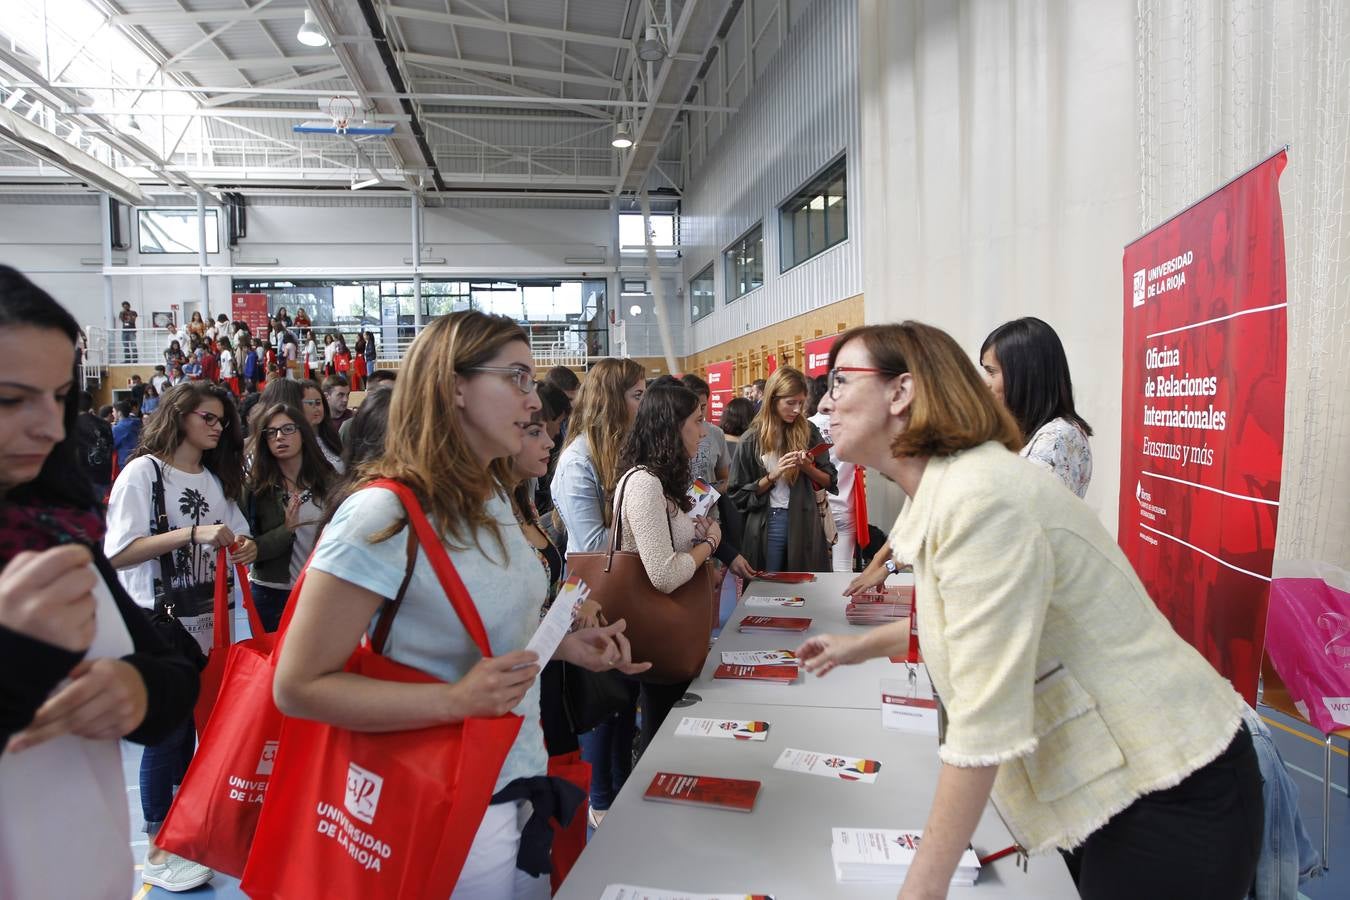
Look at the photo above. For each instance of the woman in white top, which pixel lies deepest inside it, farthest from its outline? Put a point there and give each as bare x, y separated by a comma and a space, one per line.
80, 665
1024, 365
190, 467
465, 397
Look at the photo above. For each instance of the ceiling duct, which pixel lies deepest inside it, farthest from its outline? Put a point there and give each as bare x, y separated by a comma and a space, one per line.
46, 146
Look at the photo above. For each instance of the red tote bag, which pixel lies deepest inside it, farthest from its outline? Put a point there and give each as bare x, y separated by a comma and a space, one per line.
215, 812
214, 673
380, 815
569, 841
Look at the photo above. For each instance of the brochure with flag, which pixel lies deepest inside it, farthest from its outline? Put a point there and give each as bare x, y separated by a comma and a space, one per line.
759, 658
723, 729
883, 856
829, 765
703, 496
775, 602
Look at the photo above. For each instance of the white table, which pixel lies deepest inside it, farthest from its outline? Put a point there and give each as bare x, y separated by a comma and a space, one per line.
847, 687
783, 847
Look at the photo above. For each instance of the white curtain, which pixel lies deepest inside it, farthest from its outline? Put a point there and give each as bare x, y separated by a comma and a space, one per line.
1011, 150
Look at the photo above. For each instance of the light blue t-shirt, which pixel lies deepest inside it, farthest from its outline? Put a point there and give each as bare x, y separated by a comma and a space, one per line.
427, 633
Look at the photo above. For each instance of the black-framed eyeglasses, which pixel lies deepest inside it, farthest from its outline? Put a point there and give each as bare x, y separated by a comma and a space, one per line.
833, 379
523, 378
288, 429
212, 420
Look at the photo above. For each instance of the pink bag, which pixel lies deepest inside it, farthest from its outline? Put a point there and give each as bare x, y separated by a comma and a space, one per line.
1308, 640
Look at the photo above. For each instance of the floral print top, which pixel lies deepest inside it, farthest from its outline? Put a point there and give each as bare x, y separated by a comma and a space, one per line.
1062, 447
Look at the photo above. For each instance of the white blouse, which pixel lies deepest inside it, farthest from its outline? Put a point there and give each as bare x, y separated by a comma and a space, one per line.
1061, 446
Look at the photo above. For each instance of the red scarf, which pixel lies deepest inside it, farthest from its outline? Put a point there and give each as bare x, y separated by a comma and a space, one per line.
39, 528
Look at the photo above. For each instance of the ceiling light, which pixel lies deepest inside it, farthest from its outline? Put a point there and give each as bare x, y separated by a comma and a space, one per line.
623, 139
310, 34
650, 48
133, 125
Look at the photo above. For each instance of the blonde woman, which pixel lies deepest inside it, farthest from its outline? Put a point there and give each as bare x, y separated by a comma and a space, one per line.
583, 494
774, 479
466, 397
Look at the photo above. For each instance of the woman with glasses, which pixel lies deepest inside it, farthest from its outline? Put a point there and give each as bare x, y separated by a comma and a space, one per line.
774, 480
315, 407
284, 504
1068, 696
171, 509
465, 399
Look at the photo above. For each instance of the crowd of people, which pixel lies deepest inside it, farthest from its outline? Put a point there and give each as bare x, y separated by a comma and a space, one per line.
1023, 597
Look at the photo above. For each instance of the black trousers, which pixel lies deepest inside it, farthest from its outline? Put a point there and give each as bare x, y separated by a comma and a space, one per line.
271, 604
657, 701
1197, 841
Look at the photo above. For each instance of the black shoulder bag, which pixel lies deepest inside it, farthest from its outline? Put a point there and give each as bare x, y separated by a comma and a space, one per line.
167, 598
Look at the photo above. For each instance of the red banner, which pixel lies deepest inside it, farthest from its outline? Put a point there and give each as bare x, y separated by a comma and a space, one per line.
719, 379
1203, 416
817, 353
251, 309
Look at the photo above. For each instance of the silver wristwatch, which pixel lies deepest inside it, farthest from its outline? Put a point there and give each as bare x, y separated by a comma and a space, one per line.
890, 566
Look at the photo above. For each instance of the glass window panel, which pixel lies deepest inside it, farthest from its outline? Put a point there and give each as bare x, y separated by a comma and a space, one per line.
701, 295
816, 217
175, 231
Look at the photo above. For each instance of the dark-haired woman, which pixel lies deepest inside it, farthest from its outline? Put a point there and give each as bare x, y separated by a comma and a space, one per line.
79, 663
358, 373
1024, 365
774, 480
284, 504
315, 406
654, 493
189, 471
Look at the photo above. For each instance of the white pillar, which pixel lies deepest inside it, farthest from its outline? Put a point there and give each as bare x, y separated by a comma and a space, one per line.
109, 307
415, 204
205, 287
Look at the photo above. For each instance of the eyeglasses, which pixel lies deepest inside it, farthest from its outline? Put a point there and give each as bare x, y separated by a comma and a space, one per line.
312, 404
834, 380
523, 378
212, 420
270, 434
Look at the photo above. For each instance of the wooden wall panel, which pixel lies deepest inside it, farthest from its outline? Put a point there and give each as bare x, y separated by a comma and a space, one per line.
784, 340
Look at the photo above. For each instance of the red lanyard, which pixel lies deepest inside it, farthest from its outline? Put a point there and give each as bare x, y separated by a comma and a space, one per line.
913, 656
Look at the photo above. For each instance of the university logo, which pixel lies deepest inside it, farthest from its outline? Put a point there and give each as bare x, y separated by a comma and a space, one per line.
363, 792
818, 360
268, 758
1140, 287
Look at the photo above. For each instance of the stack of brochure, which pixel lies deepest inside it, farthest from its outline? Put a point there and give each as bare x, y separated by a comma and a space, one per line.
883, 856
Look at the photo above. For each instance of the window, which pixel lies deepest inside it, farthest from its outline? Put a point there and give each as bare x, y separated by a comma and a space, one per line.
815, 218
701, 294
745, 263
175, 231
632, 238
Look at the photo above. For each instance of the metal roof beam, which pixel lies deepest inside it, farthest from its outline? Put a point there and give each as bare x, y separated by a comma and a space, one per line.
252, 62
462, 21
430, 59
193, 16
516, 90
287, 81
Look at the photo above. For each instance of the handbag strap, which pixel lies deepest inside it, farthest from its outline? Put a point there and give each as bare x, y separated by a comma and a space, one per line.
391, 607
455, 591
614, 533
223, 636
162, 527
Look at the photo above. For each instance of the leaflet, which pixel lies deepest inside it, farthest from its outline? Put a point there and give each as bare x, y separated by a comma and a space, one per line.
724, 729
558, 620
776, 602
703, 496
829, 765
759, 658
633, 892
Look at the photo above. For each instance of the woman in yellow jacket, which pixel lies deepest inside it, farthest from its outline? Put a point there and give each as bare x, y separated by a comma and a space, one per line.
1068, 695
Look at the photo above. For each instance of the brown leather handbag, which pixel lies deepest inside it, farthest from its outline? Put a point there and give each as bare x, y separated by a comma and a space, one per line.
671, 631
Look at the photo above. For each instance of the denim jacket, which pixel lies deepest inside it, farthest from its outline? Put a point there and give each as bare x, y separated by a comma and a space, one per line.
579, 498
1288, 857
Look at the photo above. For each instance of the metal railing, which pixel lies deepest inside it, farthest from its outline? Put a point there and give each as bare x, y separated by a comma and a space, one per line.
552, 344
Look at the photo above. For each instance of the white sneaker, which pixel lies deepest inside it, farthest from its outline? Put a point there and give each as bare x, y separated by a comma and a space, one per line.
176, 874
